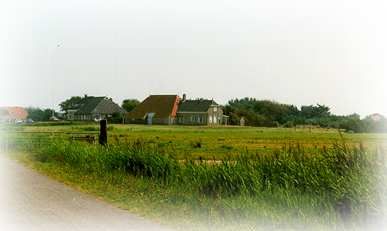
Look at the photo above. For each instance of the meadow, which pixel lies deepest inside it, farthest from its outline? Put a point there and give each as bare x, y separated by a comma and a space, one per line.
195, 142
216, 175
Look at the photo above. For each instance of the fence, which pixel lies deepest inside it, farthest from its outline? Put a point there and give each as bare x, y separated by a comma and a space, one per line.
21, 138
14, 139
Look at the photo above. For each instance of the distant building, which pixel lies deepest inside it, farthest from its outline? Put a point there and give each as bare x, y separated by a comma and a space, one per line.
13, 115
200, 112
376, 117
155, 109
94, 108
170, 109
242, 121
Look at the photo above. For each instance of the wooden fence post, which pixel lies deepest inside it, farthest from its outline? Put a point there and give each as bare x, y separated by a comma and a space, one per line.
103, 132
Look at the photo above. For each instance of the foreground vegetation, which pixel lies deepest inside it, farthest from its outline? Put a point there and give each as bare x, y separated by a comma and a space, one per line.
313, 177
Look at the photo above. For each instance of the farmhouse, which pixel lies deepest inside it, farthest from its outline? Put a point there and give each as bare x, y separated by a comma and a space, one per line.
13, 114
155, 109
170, 109
94, 108
200, 112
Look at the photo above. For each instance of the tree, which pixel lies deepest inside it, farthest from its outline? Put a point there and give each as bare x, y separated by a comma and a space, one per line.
260, 112
312, 112
37, 114
116, 118
352, 123
270, 113
130, 104
71, 103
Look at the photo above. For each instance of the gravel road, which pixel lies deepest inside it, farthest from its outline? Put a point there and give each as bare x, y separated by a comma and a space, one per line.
31, 201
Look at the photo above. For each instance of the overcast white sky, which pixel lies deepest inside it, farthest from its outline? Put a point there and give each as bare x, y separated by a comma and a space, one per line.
299, 52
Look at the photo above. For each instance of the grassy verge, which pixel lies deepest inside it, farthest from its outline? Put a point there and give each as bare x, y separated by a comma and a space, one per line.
287, 187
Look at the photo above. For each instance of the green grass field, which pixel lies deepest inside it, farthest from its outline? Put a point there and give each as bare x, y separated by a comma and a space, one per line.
215, 176
218, 142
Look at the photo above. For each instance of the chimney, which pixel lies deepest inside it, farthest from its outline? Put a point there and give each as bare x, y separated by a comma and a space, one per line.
184, 97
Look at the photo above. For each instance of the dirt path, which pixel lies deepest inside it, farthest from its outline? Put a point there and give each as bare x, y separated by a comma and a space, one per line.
30, 201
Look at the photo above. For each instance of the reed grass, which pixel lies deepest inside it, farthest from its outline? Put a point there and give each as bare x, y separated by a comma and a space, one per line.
339, 181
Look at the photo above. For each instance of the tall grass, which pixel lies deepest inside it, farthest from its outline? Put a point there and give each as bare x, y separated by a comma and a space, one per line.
338, 178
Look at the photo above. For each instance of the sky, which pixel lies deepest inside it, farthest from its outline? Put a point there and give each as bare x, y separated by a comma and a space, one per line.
300, 52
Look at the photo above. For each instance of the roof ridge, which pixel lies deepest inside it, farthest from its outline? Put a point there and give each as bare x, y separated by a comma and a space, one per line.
163, 95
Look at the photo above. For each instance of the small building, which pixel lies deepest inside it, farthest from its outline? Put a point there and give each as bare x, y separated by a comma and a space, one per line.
242, 121
95, 108
376, 117
200, 112
13, 115
155, 109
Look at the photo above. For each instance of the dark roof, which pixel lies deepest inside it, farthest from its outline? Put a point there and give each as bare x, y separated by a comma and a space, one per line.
101, 105
107, 106
88, 104
162, 105
198, 105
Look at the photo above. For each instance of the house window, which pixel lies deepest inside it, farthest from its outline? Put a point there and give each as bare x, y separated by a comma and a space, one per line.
215, 109
210, 119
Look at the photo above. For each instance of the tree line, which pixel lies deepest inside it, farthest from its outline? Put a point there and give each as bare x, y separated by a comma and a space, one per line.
268, 113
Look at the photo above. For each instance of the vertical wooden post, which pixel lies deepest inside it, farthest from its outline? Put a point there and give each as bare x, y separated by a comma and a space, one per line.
103, 132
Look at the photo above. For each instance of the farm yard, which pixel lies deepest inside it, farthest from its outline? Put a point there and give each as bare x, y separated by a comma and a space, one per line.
220, 177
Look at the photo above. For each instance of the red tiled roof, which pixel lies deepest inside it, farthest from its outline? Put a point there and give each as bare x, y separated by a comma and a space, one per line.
17, 113
162, 105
